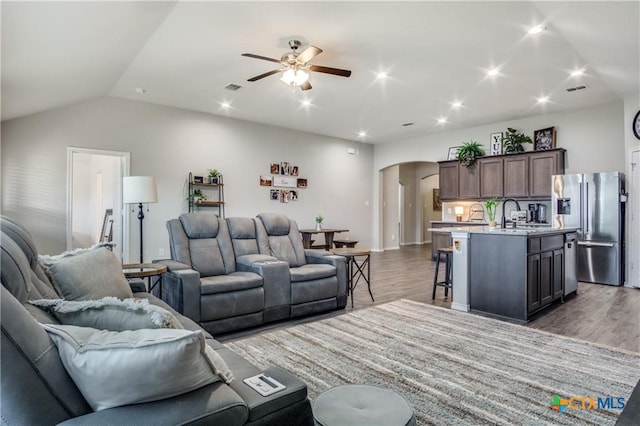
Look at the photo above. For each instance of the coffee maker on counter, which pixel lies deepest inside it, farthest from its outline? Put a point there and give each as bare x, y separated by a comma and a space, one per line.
537, 213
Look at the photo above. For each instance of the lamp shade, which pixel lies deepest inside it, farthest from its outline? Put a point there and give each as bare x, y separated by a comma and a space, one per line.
139, 189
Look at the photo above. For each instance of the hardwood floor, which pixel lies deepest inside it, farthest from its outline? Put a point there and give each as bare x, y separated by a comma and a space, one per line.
598, 313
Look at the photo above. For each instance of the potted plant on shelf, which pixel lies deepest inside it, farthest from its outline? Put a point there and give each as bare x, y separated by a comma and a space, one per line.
213, 175
469, 152
513, 140
319, 220
491, 206
198, 196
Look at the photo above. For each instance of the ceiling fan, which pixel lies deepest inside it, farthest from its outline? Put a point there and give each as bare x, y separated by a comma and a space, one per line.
296, 67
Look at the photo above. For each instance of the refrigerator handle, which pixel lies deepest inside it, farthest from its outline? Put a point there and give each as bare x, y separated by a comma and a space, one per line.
586, 206
581, 209
594, 244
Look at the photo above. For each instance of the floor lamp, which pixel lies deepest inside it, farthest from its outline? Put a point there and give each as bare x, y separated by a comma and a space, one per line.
138, 190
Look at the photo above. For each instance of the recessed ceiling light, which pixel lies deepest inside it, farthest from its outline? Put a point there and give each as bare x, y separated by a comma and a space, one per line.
536, 29
362, 134
382, 75
493, 72
577, 72
456, 104
225, 105
306, 103
140, 91
442, 120
543, 99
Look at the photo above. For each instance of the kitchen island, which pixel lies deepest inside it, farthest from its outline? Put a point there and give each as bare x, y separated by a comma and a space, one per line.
442, 237
508, 273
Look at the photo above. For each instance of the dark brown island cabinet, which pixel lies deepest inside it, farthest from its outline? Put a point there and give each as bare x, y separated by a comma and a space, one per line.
515, 275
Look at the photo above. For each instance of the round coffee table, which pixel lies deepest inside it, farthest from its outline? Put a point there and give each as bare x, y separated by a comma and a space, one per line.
364, 405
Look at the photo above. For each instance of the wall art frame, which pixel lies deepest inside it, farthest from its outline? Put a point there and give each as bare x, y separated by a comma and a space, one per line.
453, 153
544, 139
495, 143
437, 203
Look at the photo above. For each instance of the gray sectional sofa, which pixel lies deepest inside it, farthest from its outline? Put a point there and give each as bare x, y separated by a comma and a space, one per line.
240, 272
37, 386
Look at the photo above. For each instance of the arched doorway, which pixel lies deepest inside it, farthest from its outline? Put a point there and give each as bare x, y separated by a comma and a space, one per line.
414, 209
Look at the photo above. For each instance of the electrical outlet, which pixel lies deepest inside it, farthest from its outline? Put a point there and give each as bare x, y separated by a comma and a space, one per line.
449, 210
161, 252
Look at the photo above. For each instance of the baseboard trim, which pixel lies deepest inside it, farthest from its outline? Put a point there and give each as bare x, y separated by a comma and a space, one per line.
460, 307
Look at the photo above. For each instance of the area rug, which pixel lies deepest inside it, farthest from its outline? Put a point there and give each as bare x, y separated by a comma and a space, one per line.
454, 367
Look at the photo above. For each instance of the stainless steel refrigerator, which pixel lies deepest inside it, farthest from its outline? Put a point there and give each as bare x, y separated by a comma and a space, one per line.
594, 204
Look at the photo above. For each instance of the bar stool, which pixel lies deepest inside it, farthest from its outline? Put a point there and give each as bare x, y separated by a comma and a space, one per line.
447, 283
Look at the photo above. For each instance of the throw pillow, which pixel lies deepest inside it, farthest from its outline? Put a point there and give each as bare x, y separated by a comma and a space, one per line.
87, 274
113, 368
109, 313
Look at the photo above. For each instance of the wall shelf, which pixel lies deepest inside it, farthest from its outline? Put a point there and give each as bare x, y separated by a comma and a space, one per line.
213, 191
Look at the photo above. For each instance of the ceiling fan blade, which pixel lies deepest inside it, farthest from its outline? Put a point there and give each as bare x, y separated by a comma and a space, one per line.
328, 70
308, 54
305, 86
264, 58
266, 74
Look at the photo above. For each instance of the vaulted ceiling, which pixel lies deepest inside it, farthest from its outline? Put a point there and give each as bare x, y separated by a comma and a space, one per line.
184, 54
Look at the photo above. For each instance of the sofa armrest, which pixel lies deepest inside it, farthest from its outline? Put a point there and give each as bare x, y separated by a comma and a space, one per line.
172, 265
276, 278
325, 257
181, 290
216, 403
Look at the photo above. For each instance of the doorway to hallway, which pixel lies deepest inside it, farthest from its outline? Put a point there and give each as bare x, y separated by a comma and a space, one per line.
94, 196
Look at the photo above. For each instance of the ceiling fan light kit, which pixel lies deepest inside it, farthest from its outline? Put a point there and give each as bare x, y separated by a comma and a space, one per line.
294, 77
296, 66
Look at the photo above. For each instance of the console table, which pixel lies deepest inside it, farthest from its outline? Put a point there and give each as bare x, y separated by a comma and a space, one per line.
328, 236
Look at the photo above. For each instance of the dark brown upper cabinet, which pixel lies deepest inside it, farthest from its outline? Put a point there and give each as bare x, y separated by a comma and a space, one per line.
526, 175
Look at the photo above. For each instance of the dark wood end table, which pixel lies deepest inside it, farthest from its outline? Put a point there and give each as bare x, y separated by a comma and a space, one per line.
146, 270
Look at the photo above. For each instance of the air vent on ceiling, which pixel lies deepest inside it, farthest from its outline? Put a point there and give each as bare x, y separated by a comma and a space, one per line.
407, 124
232, 87
573, 89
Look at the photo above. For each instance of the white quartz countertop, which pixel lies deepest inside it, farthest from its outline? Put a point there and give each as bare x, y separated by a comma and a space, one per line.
524, 231
463, 223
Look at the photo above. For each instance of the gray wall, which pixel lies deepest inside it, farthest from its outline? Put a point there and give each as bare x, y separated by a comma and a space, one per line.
348, 190
169, 143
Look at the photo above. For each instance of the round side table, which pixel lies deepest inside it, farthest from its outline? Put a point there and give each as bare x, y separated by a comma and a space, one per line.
146, 270
362, 405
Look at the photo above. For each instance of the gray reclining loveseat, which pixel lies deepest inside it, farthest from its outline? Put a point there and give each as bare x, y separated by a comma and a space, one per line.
38, 390
240, 272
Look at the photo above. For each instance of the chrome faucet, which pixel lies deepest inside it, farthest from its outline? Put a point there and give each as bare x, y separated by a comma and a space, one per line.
503, 224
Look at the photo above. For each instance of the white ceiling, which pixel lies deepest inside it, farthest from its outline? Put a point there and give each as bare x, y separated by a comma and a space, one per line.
185, 53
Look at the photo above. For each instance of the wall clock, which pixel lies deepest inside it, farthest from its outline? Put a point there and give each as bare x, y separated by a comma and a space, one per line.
636, 125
